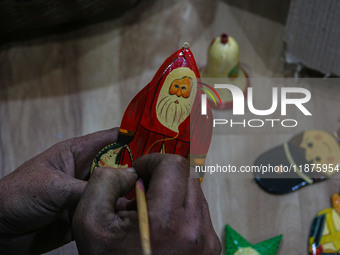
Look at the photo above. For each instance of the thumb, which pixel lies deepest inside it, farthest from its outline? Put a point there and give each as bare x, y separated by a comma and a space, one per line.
104, 188
73, 188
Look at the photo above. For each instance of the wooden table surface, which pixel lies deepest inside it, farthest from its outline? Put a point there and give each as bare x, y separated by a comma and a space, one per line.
70, 84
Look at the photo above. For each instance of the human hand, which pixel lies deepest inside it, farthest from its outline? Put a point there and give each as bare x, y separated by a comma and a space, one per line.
178, 212
37, 199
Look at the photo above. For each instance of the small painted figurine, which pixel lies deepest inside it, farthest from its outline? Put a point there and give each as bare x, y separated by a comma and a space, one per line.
238, 245
308, 157
224, 62
324, 238
165, 116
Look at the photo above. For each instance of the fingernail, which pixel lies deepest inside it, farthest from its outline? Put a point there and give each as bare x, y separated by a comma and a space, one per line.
130, 170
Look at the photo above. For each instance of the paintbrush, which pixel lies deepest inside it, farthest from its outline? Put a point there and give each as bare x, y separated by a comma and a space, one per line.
143, 217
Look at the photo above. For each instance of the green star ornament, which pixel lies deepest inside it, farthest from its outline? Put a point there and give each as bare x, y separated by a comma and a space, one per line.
237, 245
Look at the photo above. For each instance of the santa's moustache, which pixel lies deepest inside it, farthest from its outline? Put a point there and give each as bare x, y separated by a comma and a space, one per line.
172, 113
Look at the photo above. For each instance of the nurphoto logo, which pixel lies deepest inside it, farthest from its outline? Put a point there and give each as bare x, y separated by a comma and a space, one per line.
239, 106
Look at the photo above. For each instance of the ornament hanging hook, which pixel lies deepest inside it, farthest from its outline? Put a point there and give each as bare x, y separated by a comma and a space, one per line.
186, 45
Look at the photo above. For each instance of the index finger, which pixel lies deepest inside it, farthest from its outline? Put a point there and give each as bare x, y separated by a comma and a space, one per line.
167, 178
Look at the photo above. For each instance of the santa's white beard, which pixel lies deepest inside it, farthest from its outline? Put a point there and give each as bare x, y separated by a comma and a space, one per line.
171, 114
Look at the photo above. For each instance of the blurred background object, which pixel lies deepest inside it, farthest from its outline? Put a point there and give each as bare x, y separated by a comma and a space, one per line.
31, 18
223, 57
312, 36
223, 66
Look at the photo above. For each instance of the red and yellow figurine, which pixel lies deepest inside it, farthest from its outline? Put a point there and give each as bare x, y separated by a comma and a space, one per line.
324, 238
165, 116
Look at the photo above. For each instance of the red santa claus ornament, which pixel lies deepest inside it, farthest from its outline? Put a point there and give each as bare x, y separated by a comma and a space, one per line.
164, 117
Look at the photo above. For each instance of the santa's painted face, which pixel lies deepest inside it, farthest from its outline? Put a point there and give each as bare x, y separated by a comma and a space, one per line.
181, 87
175, 97
321, 148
